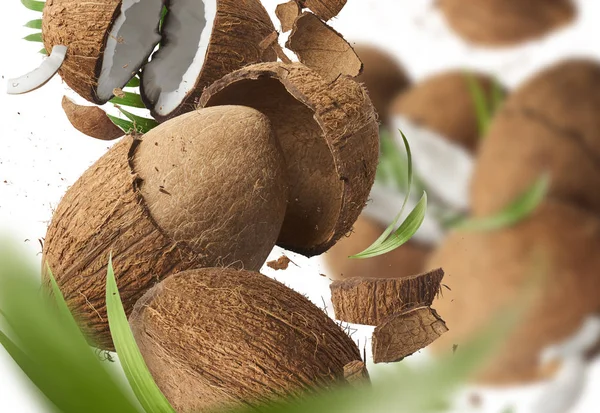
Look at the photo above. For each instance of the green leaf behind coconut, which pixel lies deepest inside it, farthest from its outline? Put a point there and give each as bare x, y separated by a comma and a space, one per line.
34, 24
129, 99
34, 37
126, 125
34, 5
141, 124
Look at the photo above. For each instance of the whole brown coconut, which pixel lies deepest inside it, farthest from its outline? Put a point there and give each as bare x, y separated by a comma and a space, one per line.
506, 22
330, 140
550, 124
407, 260
205, 189
444, 104
216, 338
383, 77
487, 271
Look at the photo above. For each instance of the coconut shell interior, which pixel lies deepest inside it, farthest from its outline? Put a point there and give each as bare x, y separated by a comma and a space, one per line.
330, 140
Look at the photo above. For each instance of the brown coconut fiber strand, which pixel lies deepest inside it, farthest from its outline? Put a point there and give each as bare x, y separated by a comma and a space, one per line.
330, 138
287, 13
445, 104
217, 338
323, 49
325, 9
91, 121
369, 301
401, 335
557, 248
239, 28
405, 261
82, 26
356, 373
506, 22
549, 125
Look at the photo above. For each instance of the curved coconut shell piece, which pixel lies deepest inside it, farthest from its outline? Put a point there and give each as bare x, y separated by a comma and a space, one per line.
325, 9
489, 271
91, 121
216, 338
167, 203
287, 13
444, 104
369, 301
323, 49
330, 139
506, 22
550, 125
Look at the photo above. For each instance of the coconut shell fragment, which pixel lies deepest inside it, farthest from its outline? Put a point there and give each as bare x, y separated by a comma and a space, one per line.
166, 203
370, 301
287, 13
218, 338
402, 335
91, 121
325, 9
321, 48
330, 139
356, 373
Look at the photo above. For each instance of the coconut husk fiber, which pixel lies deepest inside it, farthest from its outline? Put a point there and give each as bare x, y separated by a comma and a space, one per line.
549, 125
330, 139
506, 22
219, 338
444, 104
557, 248
91, 121
166, 203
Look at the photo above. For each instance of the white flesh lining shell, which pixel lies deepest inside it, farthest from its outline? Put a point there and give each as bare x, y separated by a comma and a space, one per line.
40, 76
132, 39
174, 69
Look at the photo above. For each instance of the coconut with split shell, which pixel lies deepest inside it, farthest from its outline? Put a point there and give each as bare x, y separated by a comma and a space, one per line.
205, 189
217, 338
330, 139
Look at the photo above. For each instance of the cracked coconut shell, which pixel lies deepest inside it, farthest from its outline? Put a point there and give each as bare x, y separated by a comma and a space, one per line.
91, 121
549, 125
506, 22
206, 189
325, 9
487, 271
330, 139
217, 338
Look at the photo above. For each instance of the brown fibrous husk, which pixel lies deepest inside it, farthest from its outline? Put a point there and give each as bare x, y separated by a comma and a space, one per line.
369, 301
280, 264
321, 48
287, 13
356, 373
166, 203
330, 139
91, 121
506, 22
401, 335
325, 9
218, 338
549, 125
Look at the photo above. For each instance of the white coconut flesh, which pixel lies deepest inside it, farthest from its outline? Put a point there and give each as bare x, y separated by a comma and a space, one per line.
133, 37
40, 76
174, 69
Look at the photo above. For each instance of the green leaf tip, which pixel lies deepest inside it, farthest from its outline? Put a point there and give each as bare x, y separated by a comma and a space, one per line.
34, 5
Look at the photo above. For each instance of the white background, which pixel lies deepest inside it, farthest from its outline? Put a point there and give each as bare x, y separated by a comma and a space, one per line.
41, 154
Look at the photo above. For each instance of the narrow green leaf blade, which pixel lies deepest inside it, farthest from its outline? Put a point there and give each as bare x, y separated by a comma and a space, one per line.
44, 51
34, 24
34, 5
135, 82
484, 114
34, 37
140, 379
130, 99
126, 125
142, 125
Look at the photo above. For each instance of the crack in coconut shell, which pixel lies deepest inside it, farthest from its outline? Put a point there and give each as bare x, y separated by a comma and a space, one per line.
216, 338
91, 121
105, 47
506, 22
202, 41
168, 203
287, 13
325, 9
330, 139
369, 301
323, 49
401, 335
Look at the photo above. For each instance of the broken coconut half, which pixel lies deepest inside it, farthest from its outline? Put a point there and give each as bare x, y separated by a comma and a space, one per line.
330, 139
91, 121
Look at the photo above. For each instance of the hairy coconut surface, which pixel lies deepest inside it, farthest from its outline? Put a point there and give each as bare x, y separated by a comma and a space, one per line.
323, 49
550, 124
107, 41
506, 22
205, 189
401, 335
216, 338
407, 260
91, 121
325, 9
383, 77
444, 103
369, 301
356, 373
330, 140
202, 41
487, 271
287, 13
